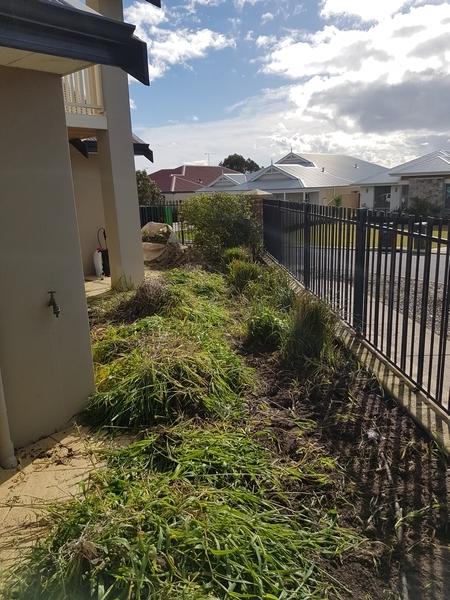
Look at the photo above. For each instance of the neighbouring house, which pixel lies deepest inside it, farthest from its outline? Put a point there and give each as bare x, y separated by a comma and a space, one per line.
181, 182
424, 178
306, 177
46, 372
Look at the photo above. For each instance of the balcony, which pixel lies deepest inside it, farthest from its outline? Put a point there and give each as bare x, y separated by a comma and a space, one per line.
83, 98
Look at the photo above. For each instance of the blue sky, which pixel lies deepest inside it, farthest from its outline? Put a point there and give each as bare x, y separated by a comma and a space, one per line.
256, 77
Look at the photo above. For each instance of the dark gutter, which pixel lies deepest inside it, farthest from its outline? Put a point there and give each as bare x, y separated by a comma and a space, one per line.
61, 30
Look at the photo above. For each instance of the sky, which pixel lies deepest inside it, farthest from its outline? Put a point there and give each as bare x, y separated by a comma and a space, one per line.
369, 78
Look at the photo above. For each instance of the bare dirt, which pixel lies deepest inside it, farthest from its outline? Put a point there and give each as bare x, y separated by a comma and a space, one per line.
395, 478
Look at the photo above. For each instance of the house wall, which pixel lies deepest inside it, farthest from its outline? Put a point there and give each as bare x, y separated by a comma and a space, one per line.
46, 363
350, 199
368, 197
427, 188
89, 205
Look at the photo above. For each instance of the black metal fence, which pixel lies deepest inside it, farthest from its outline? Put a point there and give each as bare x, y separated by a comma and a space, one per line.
169, 214
386, 275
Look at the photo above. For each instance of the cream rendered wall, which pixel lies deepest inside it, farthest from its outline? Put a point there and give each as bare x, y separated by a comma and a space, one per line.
89, 204
118, 176
45, 362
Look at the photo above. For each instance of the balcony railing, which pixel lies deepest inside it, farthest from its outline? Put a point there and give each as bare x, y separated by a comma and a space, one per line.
83, 92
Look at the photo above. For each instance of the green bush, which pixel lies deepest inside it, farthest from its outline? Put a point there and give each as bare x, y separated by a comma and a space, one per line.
311, 332
241, 273
266, 328
221, 221
421, 208
236, 253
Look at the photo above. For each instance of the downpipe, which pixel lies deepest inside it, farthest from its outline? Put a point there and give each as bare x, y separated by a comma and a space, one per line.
7, 456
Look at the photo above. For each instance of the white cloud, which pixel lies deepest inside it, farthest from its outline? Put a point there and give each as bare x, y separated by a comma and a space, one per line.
195, 118
266, 17
132, 104
367, 10
377, 91
389, 50
167, 47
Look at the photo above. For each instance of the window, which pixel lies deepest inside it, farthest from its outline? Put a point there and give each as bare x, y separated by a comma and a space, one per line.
447, 195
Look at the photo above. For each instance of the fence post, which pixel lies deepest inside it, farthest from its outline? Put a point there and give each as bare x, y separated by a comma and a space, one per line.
359, 282
306, 246
280, 235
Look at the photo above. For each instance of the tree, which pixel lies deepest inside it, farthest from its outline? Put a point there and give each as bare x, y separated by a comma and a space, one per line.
238, 163
148, 191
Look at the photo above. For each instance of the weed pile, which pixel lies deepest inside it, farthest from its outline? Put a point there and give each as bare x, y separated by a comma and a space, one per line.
190, 513
200, 504
163, 368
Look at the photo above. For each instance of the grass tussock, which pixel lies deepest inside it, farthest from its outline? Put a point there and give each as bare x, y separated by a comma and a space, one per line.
166, 367
166, 377
266, 328
236, 253
311, 334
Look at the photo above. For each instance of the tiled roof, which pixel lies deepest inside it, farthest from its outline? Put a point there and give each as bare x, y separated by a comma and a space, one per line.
187, 178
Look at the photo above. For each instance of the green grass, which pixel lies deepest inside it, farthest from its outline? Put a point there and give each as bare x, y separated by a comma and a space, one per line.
201, 504
344, 236
165, 367
153, 538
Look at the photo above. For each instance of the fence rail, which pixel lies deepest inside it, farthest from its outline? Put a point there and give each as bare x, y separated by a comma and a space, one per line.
169, 214
386, 275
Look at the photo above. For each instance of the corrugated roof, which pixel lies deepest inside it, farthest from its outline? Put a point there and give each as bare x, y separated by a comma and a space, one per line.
437, 162
382, 178
307, 171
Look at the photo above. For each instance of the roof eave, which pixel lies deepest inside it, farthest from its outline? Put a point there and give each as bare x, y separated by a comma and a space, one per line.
72, 33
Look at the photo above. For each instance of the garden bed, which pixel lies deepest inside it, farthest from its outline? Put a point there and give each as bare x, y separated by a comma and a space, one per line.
248, 474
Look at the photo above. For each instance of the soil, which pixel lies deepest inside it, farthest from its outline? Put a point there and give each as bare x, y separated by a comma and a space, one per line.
396, 480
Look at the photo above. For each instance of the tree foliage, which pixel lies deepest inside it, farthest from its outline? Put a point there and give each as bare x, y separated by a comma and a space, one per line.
221, 221
149, 193
238, 163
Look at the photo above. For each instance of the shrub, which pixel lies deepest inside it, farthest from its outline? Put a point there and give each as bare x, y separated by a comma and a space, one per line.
236, 253
311, 332
241, 273
423, 208
150, 298
265, 328
221, 221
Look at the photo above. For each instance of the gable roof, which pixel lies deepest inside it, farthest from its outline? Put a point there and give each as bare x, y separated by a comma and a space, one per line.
187, 178
75, 35
434, 163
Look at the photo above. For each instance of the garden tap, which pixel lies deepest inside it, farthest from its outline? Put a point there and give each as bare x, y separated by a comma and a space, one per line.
53, 304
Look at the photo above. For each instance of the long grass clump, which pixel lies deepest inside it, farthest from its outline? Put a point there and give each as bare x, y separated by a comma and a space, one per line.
311, 333
188, 512
169, 378
155, 538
